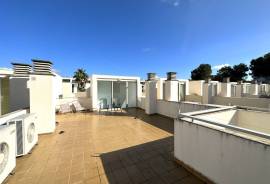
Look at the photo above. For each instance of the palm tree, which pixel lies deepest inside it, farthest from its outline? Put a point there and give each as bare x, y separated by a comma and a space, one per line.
81, 77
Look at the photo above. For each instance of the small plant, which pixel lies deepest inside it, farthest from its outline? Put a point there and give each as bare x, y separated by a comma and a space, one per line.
81, 77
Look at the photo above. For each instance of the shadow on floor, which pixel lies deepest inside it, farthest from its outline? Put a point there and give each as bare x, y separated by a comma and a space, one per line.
164, 123
151, 162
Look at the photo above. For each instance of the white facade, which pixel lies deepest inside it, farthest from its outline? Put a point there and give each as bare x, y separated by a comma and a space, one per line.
58, 85
196, 87
43, 101
150, 97
105, 91
160, 86
171, 90
225, 89
254, 89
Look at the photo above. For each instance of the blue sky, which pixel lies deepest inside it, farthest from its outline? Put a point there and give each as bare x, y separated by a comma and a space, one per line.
133, 37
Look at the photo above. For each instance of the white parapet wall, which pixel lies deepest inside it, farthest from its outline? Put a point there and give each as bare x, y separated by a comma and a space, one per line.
221, 156
196, 87
225, 89
160, 86
193, 98
239, 91
254, 89
242, 101
171, 90
141, 102
172, 109
207, 93
150, 97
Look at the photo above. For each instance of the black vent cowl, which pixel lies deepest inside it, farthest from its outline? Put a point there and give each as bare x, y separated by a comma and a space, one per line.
151, 76
42, 67
171, 75
21, 69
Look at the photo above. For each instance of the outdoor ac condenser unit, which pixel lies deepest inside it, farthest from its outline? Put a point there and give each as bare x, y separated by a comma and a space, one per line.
7, 150
27, 136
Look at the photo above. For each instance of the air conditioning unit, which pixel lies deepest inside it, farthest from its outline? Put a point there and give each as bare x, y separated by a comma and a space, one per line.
7, 150
26, 132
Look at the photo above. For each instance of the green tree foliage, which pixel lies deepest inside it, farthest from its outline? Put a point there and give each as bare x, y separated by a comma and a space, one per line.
260, 67
223, 72
81, 77
203, 72
236, 73
239, 72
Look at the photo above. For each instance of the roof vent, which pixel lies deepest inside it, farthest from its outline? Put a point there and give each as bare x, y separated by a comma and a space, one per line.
21, 69
42, 67
226, 80
151, 76
171, 75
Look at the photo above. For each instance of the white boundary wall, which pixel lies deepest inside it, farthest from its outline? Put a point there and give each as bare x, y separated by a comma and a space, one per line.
196, 87
242, 101
141, 102
220, 156
171, 109
193, 98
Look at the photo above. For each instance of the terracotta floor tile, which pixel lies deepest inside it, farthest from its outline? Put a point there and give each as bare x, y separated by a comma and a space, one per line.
104, 148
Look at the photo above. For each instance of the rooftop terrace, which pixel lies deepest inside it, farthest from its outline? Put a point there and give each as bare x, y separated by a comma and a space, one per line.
128, 147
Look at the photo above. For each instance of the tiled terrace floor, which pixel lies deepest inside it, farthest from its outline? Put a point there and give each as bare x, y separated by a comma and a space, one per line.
104, 148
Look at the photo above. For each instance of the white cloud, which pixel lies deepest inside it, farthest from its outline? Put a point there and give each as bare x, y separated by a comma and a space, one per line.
217, 67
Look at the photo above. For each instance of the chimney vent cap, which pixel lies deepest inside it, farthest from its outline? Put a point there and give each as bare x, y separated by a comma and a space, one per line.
171, 75
42, 61
151, 76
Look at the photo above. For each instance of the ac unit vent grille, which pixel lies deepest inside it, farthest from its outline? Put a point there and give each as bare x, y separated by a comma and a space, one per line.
30, 133
4, 152
19, 137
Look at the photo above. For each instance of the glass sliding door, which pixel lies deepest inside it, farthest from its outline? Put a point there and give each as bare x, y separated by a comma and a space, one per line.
116, 94
104, 94
119, 94
132, 94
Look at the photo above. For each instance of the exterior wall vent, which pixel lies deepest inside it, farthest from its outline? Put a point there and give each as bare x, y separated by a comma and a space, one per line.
42, 67
171, 75
21, 69
151, 76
